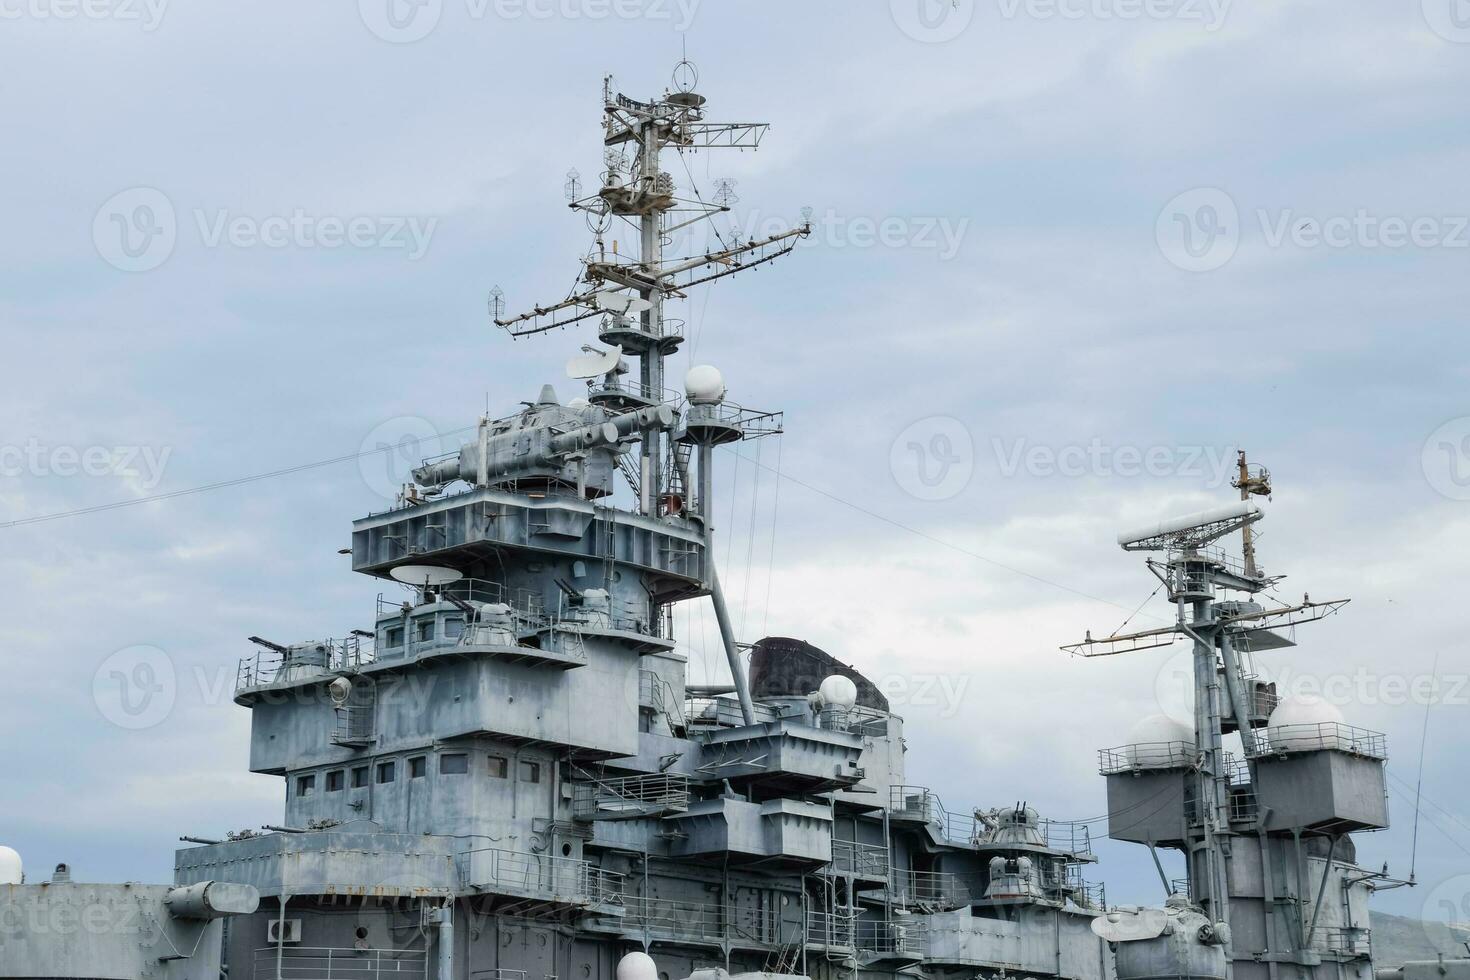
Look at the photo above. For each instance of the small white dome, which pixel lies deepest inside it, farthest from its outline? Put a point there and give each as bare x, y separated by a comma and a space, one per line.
12, 871
1160, 728
1304, 709
1303, 723
1160, 742
637, 966
838, 691
577, 404
704, 384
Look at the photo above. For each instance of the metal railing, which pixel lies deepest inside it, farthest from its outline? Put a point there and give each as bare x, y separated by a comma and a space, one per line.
628, 796
633, 390
338, 963
1330, 735
857, 858
1146, 755
938, 890
1066, 835
703, 712
331, 656
656, 693
499, 871
664, 919
905, 936
1348, 941
922, 803
857, 719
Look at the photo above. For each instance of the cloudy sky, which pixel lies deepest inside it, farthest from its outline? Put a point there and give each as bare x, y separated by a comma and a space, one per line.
1068, 256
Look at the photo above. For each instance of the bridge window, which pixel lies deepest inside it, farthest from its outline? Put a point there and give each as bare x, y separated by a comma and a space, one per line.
387, 772
393, 637
530, 772
359, 777
454, 765
305, 785
453, 627
424, 630
418, 767
499, 768
336, 779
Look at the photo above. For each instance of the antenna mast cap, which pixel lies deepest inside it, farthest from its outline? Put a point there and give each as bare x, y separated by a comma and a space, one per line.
705, 385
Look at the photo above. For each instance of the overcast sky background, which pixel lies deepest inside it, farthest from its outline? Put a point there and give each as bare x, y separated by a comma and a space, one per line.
1067, 259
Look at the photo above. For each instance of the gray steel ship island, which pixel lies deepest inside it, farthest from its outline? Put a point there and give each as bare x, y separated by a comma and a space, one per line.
510, 776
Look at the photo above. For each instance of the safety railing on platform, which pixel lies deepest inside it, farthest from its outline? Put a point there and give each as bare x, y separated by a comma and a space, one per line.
1146, 755
1328, 735
921, 803
304, 660
338, 963
1345, 941
631, 796
858, 719
1066, 835
928, 890
903, 936
663, 919
500, 871
859, 859
704, 712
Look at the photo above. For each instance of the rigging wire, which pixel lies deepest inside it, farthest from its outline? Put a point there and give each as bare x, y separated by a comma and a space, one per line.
206, 487
771, 553
1419, 787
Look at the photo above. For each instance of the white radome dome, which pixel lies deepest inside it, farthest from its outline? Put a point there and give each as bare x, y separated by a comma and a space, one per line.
704, 384
577, 404
1303, 723
1159, 741
12, 870
838, 691
637, 966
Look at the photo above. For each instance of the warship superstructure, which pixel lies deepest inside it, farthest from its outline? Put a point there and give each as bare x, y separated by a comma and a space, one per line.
510, 776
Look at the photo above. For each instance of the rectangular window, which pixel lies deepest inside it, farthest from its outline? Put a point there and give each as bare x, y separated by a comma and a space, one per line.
359, 777
393, 637
530, 772
425, 630
305, 785
336, 779
454, 765
499, 768
386, 772
453, 627
418, 767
